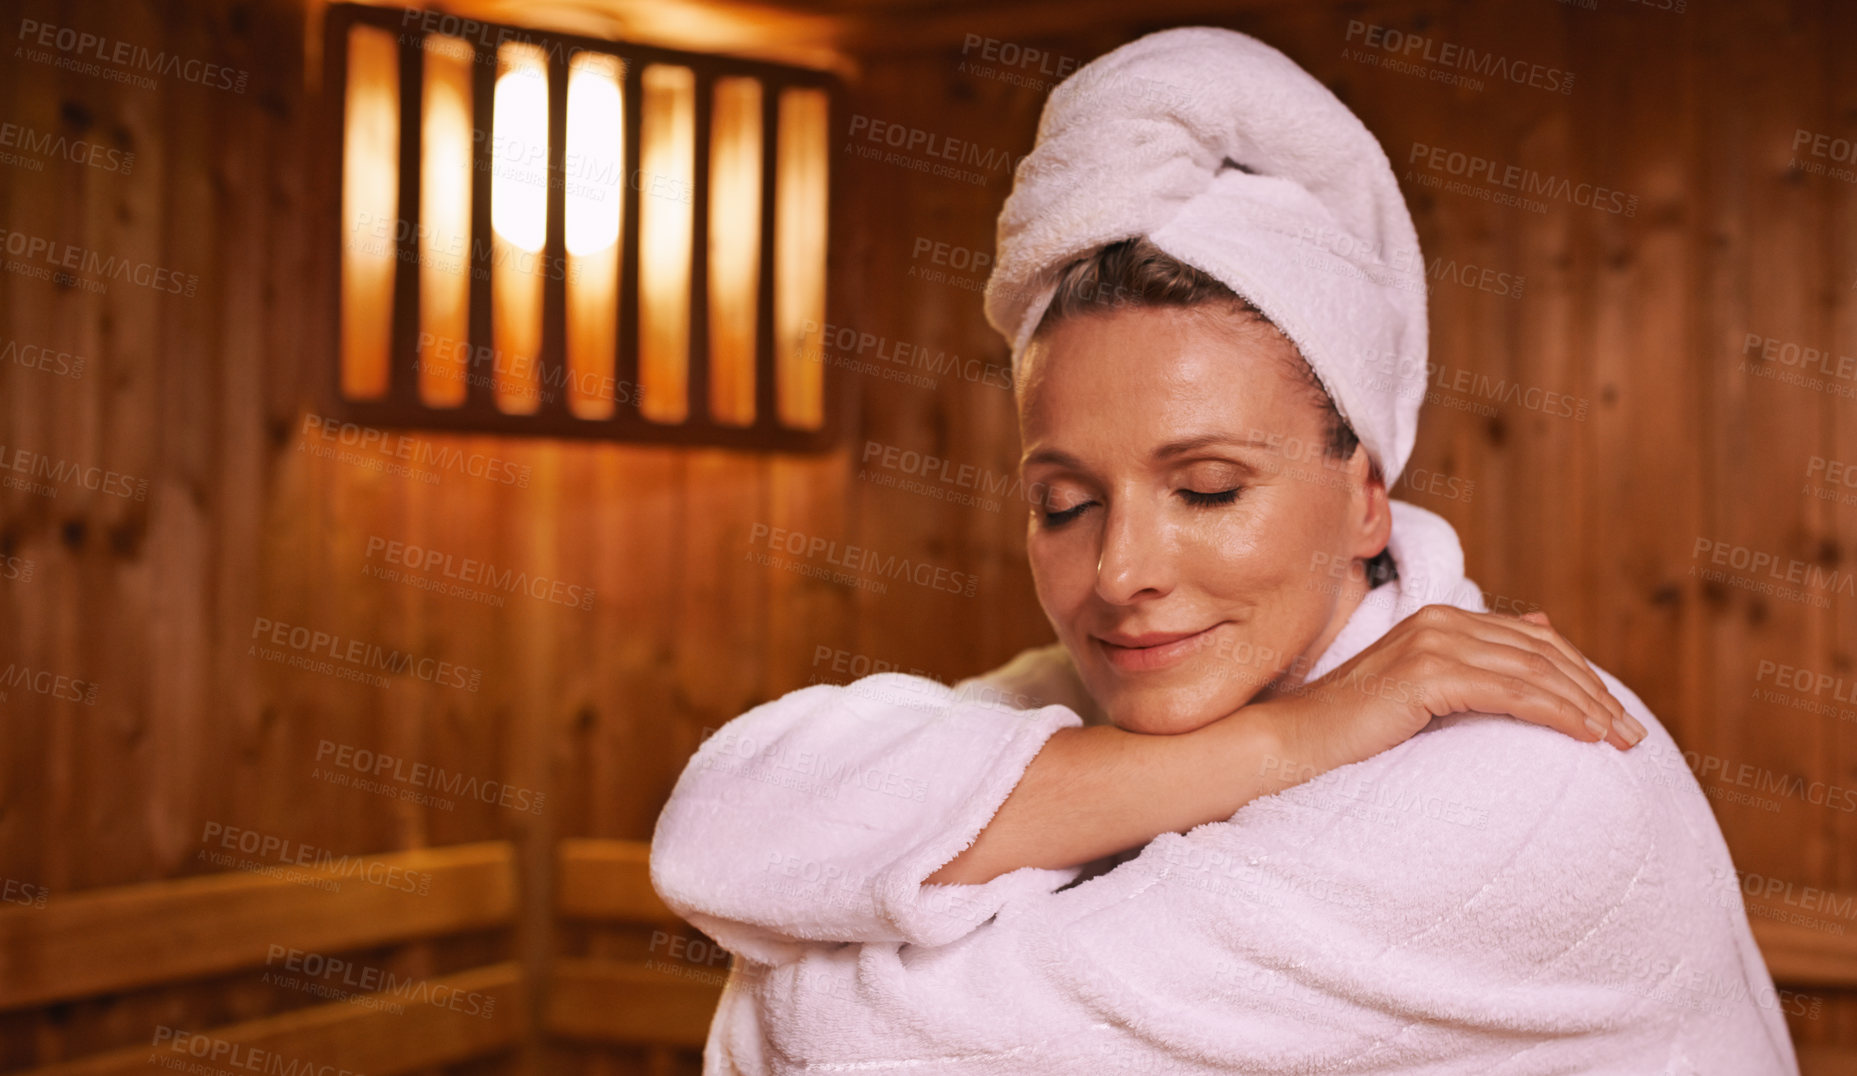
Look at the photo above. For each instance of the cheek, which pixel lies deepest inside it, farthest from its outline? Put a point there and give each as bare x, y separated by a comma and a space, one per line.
1057, 572
1255, 549
1287, 534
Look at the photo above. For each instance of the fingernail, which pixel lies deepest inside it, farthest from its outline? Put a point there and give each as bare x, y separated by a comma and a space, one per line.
1634, 730
1598, 730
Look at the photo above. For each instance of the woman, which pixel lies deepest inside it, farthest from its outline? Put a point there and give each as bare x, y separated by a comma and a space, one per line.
1327, 813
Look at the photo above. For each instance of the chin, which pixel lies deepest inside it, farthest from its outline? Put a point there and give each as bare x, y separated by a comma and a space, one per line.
1214, 683
1164, 712
1167, 702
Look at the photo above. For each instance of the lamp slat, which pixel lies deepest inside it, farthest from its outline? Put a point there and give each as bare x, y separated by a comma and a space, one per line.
766, 362
402, 377
696, 379
551, 362
479, 401
625, 373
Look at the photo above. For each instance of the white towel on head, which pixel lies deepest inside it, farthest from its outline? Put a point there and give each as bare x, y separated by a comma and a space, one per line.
1234, 160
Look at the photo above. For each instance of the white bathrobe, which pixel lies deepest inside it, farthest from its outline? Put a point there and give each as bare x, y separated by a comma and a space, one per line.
1488, 897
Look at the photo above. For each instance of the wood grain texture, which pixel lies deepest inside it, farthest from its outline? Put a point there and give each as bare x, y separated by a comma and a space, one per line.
602, 879
477, 1012
114, 939
215, 400
608, 1002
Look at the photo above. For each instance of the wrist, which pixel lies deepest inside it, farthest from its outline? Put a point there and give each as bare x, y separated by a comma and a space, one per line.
1293, 745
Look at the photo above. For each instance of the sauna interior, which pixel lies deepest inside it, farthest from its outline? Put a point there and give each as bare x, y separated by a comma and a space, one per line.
402, 469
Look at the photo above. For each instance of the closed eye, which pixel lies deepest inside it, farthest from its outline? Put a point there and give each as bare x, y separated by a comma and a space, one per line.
1193, 497
1058, 519
1209, 500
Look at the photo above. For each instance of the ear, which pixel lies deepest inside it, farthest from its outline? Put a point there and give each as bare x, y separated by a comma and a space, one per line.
1370, 512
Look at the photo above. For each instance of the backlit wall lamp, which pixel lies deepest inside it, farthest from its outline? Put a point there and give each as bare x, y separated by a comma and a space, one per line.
565, 236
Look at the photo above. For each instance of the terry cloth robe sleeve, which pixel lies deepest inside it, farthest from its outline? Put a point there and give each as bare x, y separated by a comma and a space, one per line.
1038, 676
1489, 897
818, 816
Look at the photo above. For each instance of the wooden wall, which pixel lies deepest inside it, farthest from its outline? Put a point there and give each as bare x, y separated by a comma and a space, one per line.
154, 601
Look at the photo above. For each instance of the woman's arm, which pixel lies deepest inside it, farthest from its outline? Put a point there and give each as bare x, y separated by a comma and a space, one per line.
820, 816
1491, 896
815, 817
1093, 792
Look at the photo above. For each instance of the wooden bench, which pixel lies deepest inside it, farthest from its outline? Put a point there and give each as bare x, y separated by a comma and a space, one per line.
605, 1000
129, 937
133, 937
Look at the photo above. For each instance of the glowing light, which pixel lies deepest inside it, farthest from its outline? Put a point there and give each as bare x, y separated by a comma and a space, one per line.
594, 195
595, 124
799, 257
445, 209
667, 154
370, 203
519, 177
519, 217
734, 247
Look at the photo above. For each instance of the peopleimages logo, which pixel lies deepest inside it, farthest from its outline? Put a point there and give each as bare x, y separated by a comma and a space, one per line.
290, 853
374, 764
909, 139
73, 259
1785, 569
234, 1055
344, 980
65, 472
17, 676
728, 751
1485, 173
43, 359
847, 341
356, 655
415, 450
125, 58
1450, 55
45, 144
13, 891
472, 572
860, 559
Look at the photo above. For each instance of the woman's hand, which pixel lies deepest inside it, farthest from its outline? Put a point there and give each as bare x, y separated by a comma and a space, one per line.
1092, 792
1443, 660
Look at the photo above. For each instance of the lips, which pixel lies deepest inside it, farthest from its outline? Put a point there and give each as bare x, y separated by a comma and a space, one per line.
1147, 651
1146, 639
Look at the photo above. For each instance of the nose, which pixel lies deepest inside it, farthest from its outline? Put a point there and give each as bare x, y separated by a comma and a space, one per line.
1137, 556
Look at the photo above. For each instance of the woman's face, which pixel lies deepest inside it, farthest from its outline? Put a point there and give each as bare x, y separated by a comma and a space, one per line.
1189, 537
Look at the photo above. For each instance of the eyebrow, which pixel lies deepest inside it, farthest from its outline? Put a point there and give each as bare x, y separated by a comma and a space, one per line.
1165, 452
1206, 440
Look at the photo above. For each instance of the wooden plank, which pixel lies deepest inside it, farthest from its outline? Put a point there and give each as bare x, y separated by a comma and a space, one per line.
98, 942
1801, 956
1768, 266
1764, 266
790, 34
1647, 360
606, 879
1827, 1060
533, 687
611, 1002
1837, 522
357, 1035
